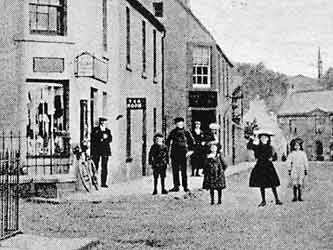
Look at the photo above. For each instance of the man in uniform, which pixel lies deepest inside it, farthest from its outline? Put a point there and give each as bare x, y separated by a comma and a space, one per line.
100, 148
181, 143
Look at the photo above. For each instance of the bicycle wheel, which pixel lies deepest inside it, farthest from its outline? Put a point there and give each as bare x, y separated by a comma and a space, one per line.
85, 175
92, 168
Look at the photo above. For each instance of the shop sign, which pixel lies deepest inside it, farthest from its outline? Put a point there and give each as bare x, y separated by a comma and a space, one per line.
48, 64
205, 99
87, 65
136, 103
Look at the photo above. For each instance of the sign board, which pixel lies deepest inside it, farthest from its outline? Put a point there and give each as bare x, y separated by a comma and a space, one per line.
205, 99
85, 66
88, 65
48, 64
136, 103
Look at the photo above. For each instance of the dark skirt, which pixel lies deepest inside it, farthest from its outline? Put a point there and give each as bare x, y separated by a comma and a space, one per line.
264, 175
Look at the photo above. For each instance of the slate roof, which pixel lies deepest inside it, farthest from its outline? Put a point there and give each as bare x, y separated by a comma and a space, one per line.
307, 101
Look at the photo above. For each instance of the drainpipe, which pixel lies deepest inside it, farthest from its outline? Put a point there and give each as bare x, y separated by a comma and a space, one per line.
163, 90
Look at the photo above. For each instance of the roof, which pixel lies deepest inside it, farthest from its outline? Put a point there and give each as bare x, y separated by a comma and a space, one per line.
147, 14
307, 101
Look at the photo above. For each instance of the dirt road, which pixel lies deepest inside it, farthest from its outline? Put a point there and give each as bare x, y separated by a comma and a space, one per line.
190, 222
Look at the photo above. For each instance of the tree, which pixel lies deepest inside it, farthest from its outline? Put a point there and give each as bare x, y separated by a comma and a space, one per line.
257, 80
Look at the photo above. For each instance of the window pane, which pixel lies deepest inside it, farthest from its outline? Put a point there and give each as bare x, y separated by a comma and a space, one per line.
194, 70
205, 70
194, 80
199, 80
33, 17
205, 80
53, 19
42, 21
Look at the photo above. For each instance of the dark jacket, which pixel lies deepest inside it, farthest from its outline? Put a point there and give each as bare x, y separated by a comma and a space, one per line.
100, 142
181, 141
158, 156
214, 177
263, 174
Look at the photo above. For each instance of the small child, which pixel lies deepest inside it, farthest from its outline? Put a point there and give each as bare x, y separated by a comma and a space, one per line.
214, 178
297, 167
159, 159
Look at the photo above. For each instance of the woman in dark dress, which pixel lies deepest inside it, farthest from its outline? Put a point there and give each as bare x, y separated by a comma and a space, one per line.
198, 157
264, 174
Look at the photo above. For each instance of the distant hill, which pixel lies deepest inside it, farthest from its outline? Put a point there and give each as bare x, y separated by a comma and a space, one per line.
304, 83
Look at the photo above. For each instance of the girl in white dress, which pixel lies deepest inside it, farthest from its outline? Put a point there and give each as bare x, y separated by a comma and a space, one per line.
297, 168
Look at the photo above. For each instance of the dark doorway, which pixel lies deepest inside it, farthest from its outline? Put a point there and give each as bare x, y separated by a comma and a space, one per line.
319, 151
206, 117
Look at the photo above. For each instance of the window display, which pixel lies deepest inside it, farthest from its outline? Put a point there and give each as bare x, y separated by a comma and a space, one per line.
47, 132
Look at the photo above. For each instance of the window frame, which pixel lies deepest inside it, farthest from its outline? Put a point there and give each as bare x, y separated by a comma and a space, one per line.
195, 72
60, 18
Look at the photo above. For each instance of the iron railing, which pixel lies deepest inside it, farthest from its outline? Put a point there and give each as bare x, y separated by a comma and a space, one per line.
9, 185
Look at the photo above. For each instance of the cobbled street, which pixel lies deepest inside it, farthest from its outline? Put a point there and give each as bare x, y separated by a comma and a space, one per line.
190, 222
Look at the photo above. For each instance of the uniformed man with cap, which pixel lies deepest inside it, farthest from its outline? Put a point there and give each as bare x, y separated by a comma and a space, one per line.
100, 148
181, 143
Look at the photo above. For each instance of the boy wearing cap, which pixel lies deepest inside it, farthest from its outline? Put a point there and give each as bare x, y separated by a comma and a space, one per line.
181, 143
159, 159
100, 148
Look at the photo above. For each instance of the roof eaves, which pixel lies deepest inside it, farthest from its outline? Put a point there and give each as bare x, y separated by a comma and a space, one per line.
147, 14
224, 56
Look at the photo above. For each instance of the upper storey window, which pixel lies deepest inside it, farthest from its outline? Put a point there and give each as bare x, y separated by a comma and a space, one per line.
47, 17
201, 67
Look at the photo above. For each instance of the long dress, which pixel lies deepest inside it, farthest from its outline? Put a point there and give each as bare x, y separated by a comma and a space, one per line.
263, 174
297, 164
214, 177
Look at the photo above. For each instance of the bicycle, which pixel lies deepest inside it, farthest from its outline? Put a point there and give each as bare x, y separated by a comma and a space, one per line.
86, 167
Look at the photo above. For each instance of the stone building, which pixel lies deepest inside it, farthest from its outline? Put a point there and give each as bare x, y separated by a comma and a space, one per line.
309, 115
64, 63
198, 74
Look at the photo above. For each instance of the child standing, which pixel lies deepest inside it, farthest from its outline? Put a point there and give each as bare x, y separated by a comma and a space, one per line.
159, 159
297, 167
214, 166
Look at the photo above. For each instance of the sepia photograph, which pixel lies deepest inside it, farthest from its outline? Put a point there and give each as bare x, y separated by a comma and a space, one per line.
166, 124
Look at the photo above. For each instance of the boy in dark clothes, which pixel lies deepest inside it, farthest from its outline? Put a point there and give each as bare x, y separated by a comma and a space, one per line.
159, 159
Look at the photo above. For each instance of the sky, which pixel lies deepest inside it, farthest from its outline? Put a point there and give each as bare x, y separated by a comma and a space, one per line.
283, 34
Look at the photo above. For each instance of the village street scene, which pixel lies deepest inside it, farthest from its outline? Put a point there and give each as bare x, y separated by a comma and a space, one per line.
174, 124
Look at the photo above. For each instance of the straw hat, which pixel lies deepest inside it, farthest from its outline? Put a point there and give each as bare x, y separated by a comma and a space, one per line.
214, 126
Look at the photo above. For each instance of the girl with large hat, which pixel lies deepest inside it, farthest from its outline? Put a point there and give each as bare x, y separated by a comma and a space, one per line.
263, 174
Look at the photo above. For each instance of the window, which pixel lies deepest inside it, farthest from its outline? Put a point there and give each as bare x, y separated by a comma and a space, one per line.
154, 55
228, 135
48, 16
144, 45
105, 25
223, 78
227, 78
201, 67
158, 7
128, 36
47, 123
93, 107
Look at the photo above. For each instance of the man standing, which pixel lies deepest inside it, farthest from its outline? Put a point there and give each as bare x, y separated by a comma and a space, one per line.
181, 142
100, 148
198, 157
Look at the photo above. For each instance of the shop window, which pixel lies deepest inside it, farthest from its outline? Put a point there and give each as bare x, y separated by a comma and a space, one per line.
48, 16
47, 122
201, 67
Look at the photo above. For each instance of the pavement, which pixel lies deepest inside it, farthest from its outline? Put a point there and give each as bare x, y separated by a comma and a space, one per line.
144, 186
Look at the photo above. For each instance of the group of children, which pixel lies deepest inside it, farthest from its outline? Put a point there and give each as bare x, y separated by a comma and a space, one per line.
214, 167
